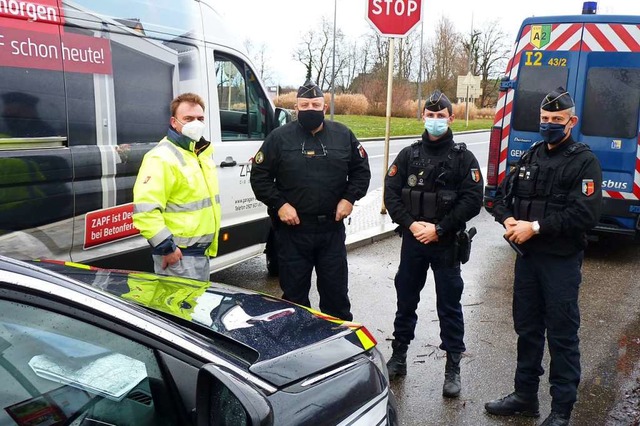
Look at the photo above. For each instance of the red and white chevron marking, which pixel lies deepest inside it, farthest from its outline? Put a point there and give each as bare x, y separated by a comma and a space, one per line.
568, 37
611, 38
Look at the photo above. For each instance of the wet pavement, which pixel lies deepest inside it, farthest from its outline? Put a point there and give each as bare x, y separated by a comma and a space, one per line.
610, 331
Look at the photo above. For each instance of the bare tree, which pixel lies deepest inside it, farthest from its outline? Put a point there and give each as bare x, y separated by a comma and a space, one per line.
406, 51
472, 50
261, 60
493, 51
351, 65
315, 53
442, 58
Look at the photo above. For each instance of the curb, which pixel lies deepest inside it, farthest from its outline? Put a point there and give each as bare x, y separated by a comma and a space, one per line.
370, 236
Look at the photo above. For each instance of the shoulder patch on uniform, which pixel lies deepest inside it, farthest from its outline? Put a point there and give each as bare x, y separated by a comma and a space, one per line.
577, 148
475, 175
392, 170
459, 147
588, 187
259, 158
361, 151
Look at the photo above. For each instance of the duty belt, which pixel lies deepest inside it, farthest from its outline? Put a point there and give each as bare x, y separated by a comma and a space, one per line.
317, 219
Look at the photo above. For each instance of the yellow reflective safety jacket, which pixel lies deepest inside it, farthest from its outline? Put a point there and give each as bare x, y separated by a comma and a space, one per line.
176, 195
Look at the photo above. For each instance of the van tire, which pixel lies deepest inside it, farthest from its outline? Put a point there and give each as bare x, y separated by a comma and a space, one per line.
271, 254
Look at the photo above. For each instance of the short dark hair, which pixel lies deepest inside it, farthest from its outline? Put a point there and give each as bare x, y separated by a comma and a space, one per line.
191, 98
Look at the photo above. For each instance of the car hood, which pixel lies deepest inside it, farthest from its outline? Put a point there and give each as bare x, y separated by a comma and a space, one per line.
291, 341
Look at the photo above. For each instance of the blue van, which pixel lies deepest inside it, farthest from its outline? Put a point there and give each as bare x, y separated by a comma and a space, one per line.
597, 59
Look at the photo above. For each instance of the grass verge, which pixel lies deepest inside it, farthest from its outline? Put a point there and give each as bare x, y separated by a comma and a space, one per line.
367, 126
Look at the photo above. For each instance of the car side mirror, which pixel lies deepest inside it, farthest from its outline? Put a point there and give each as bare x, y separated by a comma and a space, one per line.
223, 399
281, 117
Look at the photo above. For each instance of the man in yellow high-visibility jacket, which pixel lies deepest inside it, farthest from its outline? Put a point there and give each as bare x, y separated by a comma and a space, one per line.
176, 196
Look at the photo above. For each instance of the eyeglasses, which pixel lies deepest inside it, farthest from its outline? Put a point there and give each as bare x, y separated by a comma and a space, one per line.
313, 152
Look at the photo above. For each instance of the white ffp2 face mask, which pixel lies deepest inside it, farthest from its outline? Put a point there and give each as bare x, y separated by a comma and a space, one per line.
193, 130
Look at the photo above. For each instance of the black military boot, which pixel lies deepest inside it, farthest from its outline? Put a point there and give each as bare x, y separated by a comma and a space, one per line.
451, 387
515, 404
397, 365
556, 419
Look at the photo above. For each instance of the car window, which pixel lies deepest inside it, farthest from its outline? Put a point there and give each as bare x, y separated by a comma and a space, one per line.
58, 370
243, 106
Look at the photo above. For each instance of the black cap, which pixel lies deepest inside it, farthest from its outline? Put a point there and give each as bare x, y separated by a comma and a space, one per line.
19, 98
558, 100
437, 102
309, 90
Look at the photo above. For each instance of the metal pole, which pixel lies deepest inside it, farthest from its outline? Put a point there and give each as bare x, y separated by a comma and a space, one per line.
383, 210
420, 71
470, 73
467, 105
333, 64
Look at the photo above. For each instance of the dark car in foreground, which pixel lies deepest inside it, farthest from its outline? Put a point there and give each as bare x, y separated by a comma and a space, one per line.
87, 346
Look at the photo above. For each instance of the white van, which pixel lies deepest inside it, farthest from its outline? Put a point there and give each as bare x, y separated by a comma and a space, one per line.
85, 87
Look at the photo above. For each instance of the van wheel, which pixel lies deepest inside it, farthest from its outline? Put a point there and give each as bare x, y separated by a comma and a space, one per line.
271, 254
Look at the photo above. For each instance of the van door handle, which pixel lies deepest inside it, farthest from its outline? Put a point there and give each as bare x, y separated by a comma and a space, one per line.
229, 162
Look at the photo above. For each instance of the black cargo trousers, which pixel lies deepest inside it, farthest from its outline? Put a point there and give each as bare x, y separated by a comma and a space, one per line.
415, 260
316, 242
545, 300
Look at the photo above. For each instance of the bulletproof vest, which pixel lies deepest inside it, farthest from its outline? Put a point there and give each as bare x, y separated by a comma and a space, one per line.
537, 189
432, 182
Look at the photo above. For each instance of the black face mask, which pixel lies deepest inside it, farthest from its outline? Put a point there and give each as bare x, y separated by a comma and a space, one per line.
310, 119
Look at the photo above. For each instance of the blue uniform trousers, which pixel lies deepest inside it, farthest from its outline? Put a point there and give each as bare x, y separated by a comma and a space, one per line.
545, 299
415, 260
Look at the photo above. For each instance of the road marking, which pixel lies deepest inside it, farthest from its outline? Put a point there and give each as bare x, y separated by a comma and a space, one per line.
395, 153
382, 155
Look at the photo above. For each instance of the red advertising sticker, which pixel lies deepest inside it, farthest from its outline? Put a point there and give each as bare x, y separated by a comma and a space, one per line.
86, 54
40, 15
40, 50
107, 225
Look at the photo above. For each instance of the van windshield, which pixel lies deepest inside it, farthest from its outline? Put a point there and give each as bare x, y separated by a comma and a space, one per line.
532, 85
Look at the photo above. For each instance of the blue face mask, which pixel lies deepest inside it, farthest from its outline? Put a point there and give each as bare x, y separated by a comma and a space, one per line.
552, 133
436, 126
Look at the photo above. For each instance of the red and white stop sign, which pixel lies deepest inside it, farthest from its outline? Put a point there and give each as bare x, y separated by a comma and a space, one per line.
394, 18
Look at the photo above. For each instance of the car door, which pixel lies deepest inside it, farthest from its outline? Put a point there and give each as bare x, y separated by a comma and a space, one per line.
57, 368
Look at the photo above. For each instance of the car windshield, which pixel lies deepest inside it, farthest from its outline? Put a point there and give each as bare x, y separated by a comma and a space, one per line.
264, 323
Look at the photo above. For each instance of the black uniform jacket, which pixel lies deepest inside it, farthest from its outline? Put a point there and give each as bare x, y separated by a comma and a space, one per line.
467, 182
562, 232
310, 172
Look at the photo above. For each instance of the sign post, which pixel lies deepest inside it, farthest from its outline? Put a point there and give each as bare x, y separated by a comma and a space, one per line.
392, 18
469, 86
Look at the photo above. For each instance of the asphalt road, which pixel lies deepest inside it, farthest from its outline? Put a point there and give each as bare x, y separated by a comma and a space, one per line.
610, 332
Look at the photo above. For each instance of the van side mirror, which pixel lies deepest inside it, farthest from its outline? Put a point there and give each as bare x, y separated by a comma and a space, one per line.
224, 400
281, 117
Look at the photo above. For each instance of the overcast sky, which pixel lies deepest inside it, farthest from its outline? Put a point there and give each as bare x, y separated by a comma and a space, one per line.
279, 24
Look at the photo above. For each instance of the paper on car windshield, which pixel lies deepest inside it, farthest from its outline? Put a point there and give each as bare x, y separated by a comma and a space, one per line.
112, 376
